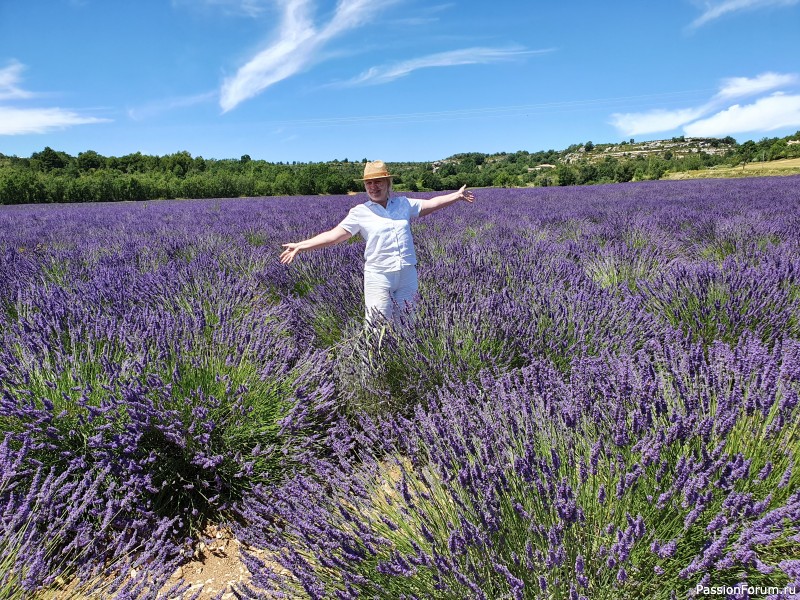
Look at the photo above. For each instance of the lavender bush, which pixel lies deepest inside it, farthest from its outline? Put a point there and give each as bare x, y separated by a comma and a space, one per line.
168, 386
58, 529
624, 428
597, 394
154, 357
638, 476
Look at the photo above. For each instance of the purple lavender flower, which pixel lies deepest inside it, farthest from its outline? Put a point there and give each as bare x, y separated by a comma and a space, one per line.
653, 319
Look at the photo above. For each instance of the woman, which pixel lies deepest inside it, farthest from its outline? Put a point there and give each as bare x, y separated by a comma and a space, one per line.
390, 272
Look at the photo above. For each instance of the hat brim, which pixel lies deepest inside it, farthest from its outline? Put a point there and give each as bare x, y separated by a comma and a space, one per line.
374, 177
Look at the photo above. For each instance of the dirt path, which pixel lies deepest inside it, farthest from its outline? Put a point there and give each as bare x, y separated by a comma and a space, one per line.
216, 566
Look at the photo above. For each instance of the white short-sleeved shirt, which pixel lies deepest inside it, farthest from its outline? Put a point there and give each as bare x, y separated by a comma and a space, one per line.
387, 232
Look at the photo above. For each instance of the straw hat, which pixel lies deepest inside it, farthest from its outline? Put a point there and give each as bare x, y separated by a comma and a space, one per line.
375, 170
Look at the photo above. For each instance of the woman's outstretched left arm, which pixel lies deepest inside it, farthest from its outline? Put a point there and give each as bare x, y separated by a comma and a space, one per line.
438, 202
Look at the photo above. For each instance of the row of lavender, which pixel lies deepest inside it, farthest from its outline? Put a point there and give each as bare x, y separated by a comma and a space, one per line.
597, 395
605, 386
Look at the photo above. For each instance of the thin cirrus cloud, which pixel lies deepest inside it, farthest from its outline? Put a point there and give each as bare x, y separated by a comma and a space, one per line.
715, 10
299, 43
765, 114
20, 120
245, 8
466, 56
158, 107
296, 48
10, 77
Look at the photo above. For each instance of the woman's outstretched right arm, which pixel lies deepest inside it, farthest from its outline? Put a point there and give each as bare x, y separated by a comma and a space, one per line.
329, 238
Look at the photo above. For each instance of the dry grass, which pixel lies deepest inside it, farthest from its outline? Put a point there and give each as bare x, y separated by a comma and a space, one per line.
787, 166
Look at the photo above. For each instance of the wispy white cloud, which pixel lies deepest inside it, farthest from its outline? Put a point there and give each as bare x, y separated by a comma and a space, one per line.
351, 14
158, 107
425, 15
739, 87
18, 120
467, 56
300, 44
765, 114
654, 120
296, 47
285, 57
715, 10
763, 111
245, 8
10, 78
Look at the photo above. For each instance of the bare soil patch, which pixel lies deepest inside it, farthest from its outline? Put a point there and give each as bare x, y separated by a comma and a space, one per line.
216, 565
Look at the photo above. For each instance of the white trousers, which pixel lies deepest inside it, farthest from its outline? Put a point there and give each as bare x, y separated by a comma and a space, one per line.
383, 290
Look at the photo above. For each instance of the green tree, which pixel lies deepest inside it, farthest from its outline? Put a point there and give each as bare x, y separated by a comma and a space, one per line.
747, 151
606, 169
504, 179
624, 171
430, 181
90, 161
566, 175
447, 169
778, 150
48, 159
17, 186
178, 163
656, 167
134, 163
284, 184
587, 173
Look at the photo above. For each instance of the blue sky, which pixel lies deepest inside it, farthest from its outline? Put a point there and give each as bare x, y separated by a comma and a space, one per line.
316, 80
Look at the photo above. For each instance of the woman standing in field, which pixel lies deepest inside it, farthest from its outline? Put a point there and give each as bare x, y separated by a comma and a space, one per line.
390, 272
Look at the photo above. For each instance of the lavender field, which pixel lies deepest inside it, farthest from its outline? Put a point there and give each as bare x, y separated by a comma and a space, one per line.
596, 398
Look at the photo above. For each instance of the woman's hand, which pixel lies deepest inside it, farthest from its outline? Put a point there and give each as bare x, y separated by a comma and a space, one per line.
465, 195
291, 251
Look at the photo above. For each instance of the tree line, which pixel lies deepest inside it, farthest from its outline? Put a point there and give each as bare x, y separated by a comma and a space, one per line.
52, 176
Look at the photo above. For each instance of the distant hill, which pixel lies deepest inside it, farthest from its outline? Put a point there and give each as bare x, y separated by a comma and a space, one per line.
590, 163
675, 147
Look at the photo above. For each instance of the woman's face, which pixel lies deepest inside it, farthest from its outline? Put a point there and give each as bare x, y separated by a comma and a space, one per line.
378, 189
